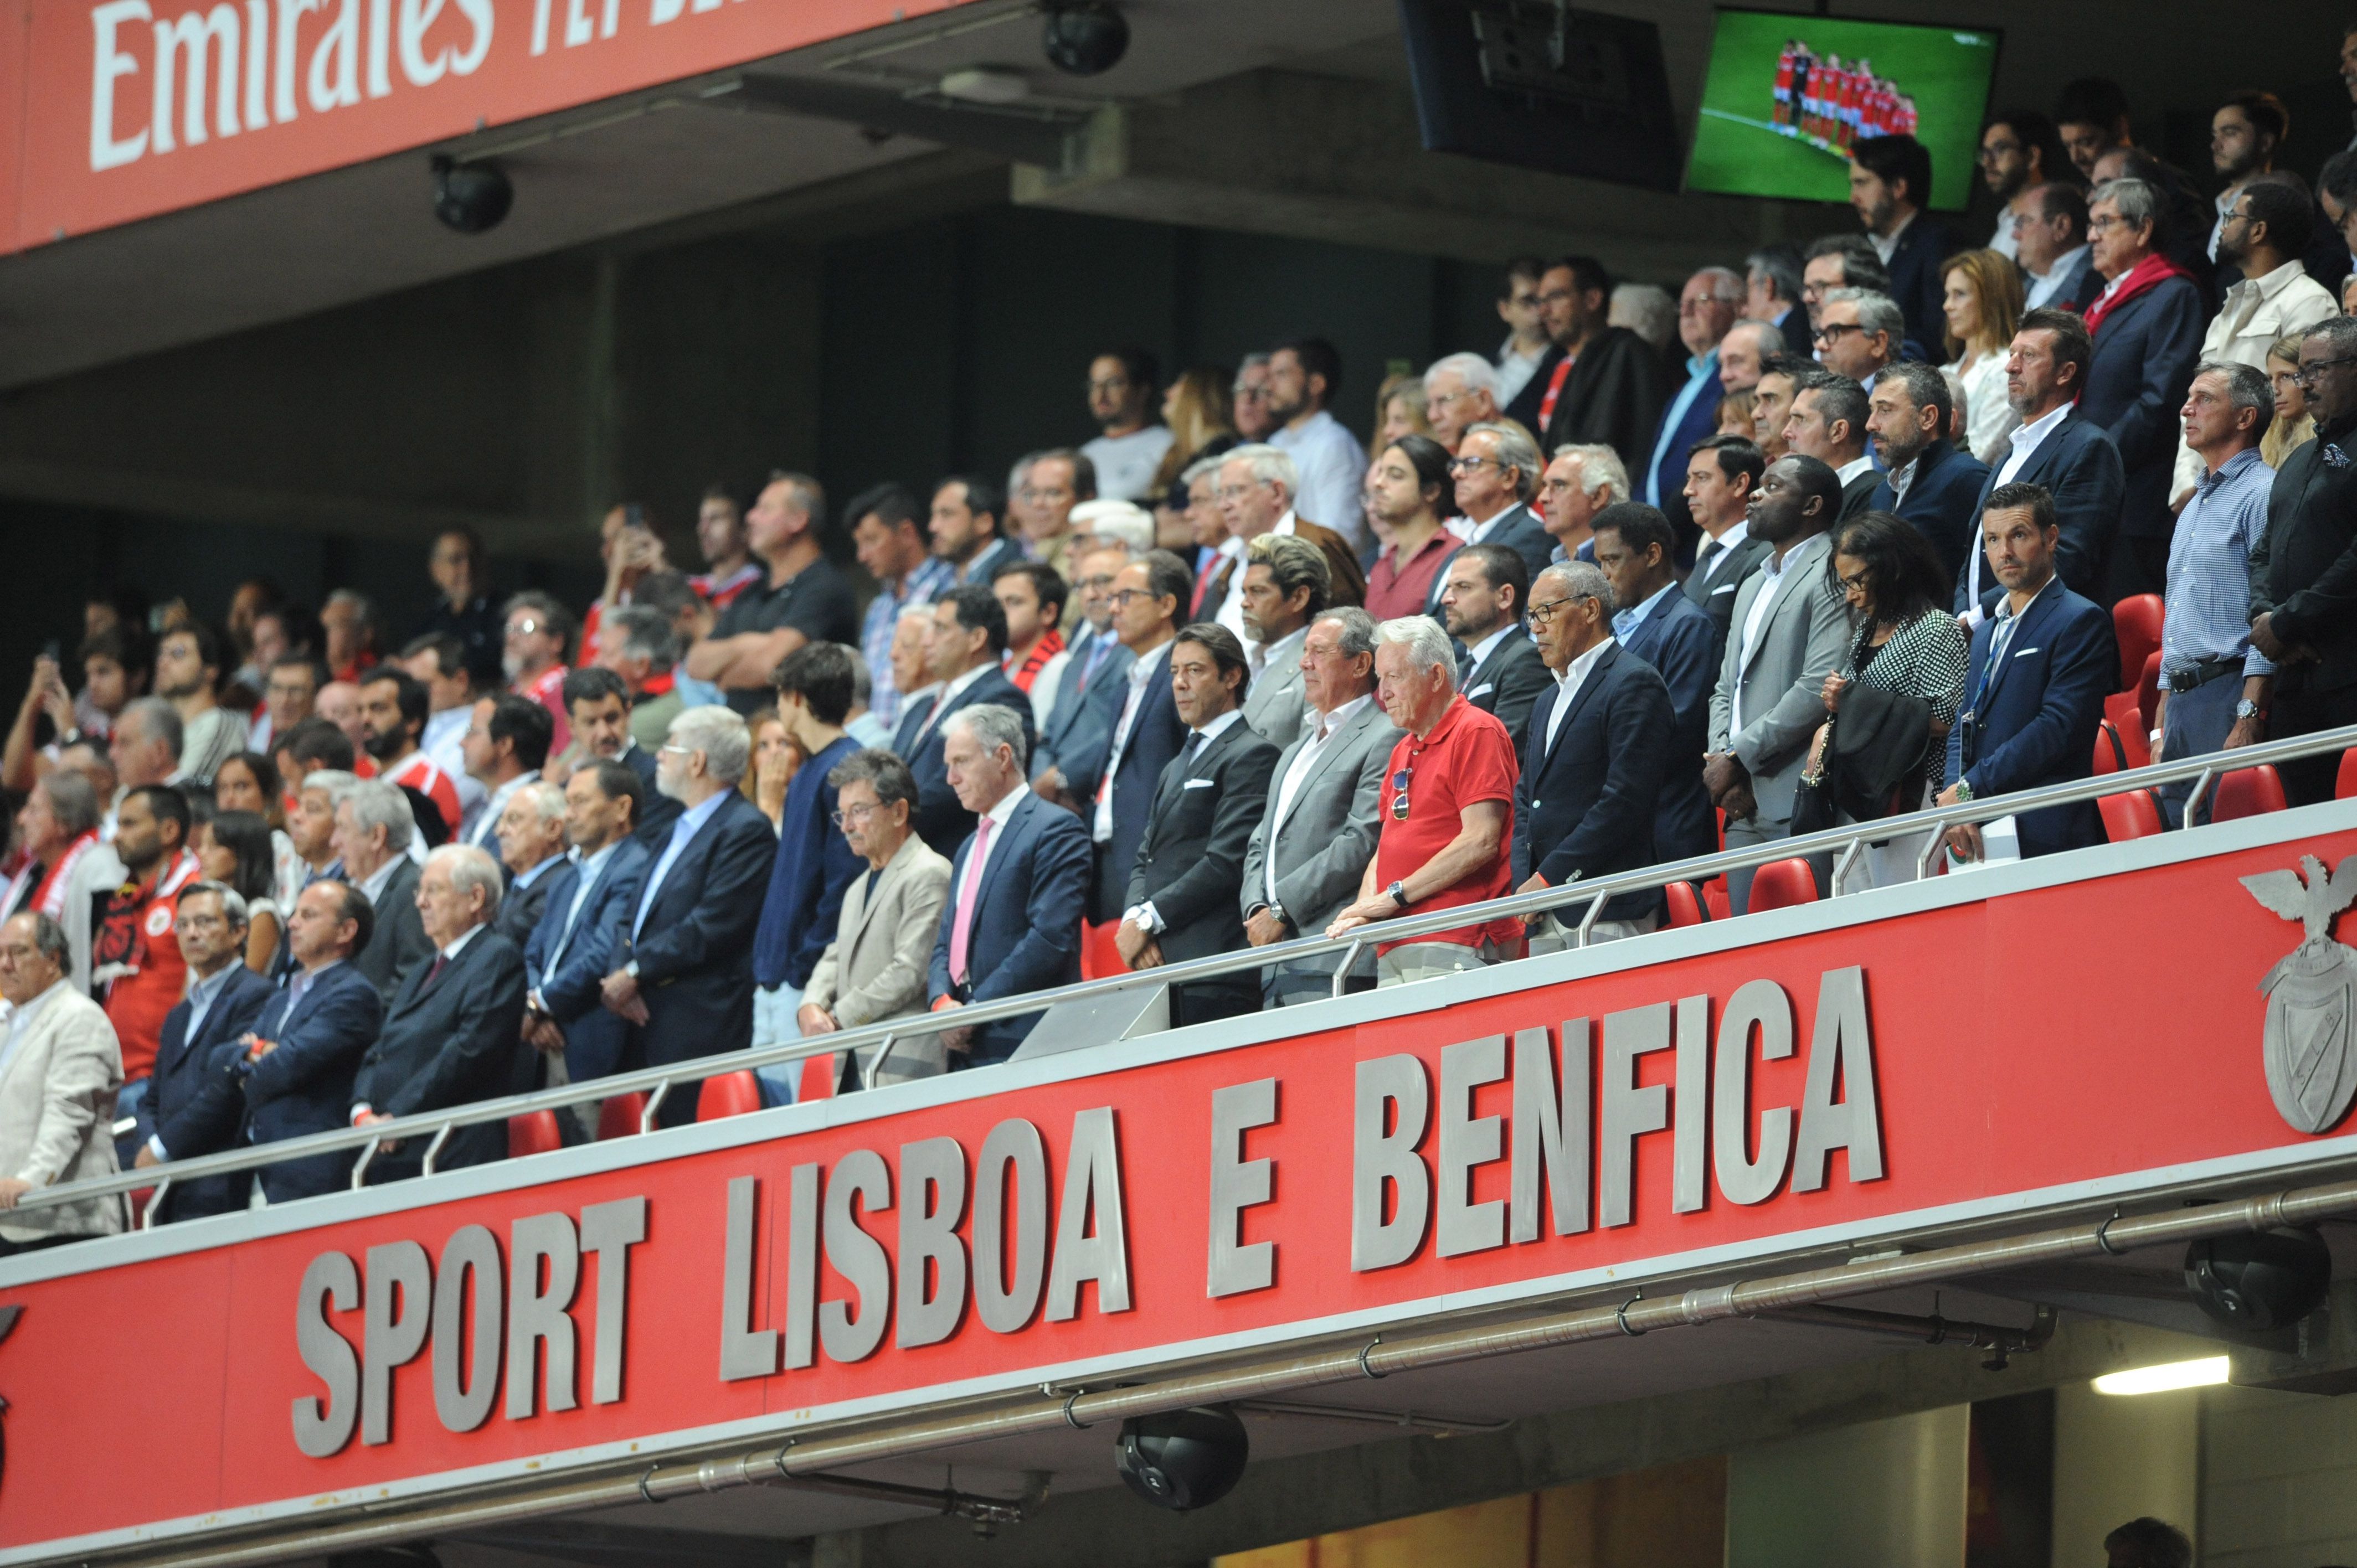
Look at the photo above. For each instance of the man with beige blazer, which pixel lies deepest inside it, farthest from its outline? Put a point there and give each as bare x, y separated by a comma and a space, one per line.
60, 1067
875, 968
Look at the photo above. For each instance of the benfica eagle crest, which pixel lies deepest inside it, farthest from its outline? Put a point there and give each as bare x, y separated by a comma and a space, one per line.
2311, 995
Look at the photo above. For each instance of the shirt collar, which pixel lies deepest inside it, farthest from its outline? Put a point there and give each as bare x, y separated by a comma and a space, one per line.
205, 990
958, 684
1284, 524
1143, 671
1221, 726
1346, 713
372, 887
2063, 262
458, 943
1635, 618
1854, 468
1736, 536
1483, 649
1294, 639
1578, 667
526, 878
1000, 814
2026, 437
2233, 468
2005, 609
2266, 285
1697, 365
21, 1016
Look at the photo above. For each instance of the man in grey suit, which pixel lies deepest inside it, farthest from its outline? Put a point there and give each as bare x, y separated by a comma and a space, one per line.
1286, 586
1305, 861
373, 827
1791, 629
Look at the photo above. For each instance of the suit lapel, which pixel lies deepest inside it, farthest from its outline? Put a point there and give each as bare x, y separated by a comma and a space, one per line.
1587, 690
1488, 668
1777, 592
2031, 619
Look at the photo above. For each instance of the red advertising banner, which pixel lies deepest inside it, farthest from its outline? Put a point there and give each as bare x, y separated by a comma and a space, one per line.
119, 110
1979, 1046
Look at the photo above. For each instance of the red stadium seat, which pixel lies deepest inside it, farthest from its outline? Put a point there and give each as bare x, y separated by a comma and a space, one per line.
728, 1094
2110, 752
2247, 792
1781, 883
2130, 816
2120, 711
1686, 910
1714, 899
1100, 960
533, 1133
819, 1077
2149, 693
618, 1116
2344, 787
2135, 621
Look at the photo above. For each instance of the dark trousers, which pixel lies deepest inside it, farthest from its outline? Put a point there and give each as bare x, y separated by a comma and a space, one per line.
1108, 887
2311, 779
2195, 723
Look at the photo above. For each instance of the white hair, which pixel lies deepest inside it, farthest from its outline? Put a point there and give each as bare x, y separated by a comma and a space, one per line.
1424, 641
1474, 372
992, 725
471, 868
1598, 466
332, 782
546, 798
1645, 309
916, 609
1268, 465
1115, 519
377, 804
1726, 285
718, 733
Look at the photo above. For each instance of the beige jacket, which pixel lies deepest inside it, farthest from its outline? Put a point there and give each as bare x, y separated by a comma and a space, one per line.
875, 968
56, 1115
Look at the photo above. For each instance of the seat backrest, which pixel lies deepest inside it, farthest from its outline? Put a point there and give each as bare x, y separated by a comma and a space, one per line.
618, 1116
728, 1094
2120, 712
2110, 754
2129, 816
2135, 621
2149, 690
2247, 792
2344, 787
1686, 910
1781, 883
819, 1076
533, 1133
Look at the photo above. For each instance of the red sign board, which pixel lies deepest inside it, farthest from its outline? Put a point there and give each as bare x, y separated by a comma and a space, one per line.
1983, 1045
119, 110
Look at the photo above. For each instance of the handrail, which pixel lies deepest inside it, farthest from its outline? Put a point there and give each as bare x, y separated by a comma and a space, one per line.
661, 1080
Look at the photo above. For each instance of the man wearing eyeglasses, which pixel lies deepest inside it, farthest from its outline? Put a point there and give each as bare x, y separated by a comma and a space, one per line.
1460, 391
2049, 232
1859, 333
2018, 149
814, 862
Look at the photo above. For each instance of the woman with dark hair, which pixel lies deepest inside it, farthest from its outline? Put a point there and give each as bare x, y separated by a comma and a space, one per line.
234, 849
1880, 753
1408, 493
248, 781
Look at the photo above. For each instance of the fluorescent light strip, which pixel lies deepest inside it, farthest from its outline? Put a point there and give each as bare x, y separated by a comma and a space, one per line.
2162, 1379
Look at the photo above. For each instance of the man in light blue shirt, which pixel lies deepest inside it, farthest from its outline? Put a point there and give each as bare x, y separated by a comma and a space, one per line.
1707, 307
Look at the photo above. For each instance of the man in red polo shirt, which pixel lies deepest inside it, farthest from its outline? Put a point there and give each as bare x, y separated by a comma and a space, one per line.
1448, 812
393, 707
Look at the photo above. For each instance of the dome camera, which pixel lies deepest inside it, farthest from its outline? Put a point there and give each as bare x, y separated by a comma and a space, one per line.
1084, 38
470, 198
1183, 1459
2261, 1280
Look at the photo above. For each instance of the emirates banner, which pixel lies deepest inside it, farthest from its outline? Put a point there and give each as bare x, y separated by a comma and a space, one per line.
1991, 1046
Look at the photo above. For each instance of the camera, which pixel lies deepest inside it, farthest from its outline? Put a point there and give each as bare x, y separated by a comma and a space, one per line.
1183, 1459
470, 198
2261, 1280
1084, 38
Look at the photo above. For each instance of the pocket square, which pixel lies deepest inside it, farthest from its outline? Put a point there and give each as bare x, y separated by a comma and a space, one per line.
1199, 783
1483, 688
1723, 588
2024, 652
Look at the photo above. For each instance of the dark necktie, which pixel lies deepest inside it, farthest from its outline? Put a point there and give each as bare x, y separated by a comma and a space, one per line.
433, 974
1703, 558
1464, 670
1186, 752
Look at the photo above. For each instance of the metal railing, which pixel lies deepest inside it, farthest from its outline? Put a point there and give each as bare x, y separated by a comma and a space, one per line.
1846, 844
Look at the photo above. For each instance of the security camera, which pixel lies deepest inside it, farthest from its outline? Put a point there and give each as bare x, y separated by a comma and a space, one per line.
1183, 1459
470, 198
1084, 38
2259, 1280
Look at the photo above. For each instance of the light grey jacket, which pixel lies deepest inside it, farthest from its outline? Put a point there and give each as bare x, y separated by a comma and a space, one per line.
1322, 844
57, 1115
100, 870
875, 968
1804, 638
1274, 706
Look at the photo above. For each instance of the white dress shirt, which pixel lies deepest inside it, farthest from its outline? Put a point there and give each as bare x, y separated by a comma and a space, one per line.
1887, 247
372, 885
1567, 685
1320, 733
1333, 467
1862, 464
1772, 572
1101, 821
950, 694
20, 1021
2044, 286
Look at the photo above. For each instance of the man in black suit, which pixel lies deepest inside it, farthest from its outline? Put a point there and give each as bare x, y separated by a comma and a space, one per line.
373, 827
1925, 479
1890, 187
1599, 385
2057, 449
1661, 625
198, 1043
969, 634
2049, 227
1828, 422
683, 979
1721, 473
2304, 569
1186, 884
598, 704
452, 1035
1147, 598
1482, 598
1600, 745
531, 852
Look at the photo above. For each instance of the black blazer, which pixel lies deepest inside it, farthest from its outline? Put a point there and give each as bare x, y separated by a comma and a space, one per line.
1682, 645
1613, 395
1153, 739
399, 944
1585, 806
184, 1069
1510, 680
1711, 585
2304, 568
1916, 280
1858, 493
450, 1039
940, 821
1943, 501
305, 1084
1520, 530
695, 950
1191, 861
2078, 463
520, 908
657, 811
2145, 355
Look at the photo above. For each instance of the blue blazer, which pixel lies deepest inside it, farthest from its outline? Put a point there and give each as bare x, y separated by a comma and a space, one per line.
1944, 503
2145, 356
1585, 806
176, 1111
593, 1036
305, 1084
2037, 714
1666, 475
1079, 734
940, 821
2078, 463
1680, 640
1153, 742
695, 950
1918, 278
1027, 920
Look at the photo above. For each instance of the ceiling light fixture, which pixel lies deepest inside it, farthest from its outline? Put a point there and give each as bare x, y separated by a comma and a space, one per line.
986, 84
2164, 1378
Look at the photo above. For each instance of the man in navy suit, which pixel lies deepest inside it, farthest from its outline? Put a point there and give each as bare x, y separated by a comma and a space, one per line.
2147, 327
198, 1042
1149, 596
685, 949
1077, 736
1019, 888
1600, 744
1708, 306
1926, 480
2041, 666
2057, 449
597, 702
1659, 625
291, 1074
968, 637
1889, 186
571, 952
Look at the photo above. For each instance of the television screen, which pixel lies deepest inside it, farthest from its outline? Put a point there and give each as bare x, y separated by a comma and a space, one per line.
1788, 94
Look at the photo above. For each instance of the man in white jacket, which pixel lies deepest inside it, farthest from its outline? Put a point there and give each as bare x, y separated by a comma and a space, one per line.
59, 1070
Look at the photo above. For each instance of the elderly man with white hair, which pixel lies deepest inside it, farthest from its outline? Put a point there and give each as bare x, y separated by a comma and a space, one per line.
453, 1033
57, 1099
1709, 304
1580, 481
1255, 490
1448, 812
1461, 391
374, 828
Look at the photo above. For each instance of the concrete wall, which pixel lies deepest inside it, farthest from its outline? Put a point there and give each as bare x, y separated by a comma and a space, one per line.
2279, 1479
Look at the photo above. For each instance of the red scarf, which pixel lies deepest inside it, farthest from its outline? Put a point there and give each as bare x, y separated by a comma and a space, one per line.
2142, 278
1047, 648
51, 898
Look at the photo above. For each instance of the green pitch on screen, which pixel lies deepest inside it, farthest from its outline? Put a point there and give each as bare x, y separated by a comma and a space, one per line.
1739, 149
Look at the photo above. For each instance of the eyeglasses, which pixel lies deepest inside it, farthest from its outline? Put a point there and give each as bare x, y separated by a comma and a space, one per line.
854, 813
1543, 611
2104, 225
677, 750
1231, 492
1831, 331
1991, 151
1468, 465
1119, 598
525, 627
2306, 375
1856, 584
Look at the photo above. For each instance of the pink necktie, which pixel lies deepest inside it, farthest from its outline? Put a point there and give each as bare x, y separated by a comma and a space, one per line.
966, 897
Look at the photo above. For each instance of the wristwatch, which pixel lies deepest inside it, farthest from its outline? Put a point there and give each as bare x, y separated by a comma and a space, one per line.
1964, 789
2246, 709
1398, 890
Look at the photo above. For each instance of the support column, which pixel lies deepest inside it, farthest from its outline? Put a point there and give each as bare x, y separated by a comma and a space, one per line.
1865, 1495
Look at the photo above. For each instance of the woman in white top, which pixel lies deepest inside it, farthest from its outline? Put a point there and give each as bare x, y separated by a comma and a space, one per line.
248, 781
1982, 303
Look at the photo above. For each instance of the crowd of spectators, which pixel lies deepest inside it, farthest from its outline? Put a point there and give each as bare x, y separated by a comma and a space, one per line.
1217, 678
